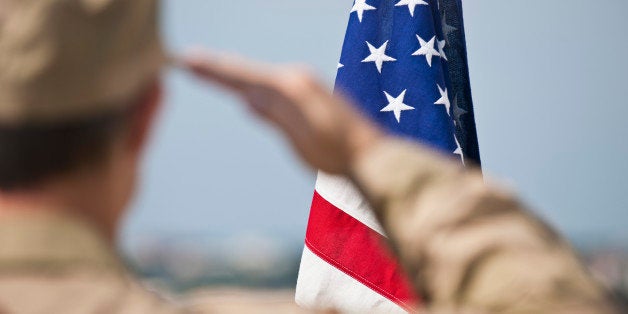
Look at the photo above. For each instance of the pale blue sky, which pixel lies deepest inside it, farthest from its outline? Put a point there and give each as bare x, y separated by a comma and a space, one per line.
548, 80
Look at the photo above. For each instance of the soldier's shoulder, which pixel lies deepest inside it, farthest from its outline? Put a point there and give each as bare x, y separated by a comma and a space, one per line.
80, 293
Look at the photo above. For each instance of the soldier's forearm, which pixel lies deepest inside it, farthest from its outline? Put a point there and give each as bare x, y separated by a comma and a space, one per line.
411, 191
466, 244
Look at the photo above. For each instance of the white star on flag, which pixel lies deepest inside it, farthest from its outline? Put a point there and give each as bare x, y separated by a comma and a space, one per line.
441, 49
444, 99
411, 4
458, 150
359, 7
396, 105
378, 55
427, 49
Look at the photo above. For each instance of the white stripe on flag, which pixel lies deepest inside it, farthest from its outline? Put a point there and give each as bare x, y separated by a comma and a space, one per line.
340, 192
321, 286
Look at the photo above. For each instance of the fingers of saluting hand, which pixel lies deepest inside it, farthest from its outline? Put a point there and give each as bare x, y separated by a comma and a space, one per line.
243, 75
227, 70
252, 81
267, 88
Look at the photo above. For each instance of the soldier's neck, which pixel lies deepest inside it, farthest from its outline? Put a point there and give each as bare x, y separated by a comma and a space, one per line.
81, 195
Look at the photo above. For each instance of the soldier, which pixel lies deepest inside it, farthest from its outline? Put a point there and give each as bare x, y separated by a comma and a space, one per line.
79, 85
79, 91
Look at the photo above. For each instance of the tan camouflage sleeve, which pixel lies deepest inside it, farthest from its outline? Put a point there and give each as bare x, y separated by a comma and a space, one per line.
470, 246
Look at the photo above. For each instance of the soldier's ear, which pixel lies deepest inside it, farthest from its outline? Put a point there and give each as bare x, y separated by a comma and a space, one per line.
143, 118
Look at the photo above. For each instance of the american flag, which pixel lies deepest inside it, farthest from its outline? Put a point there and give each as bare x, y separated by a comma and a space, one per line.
404, 64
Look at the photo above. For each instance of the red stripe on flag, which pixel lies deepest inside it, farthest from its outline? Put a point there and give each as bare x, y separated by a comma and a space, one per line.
357, 250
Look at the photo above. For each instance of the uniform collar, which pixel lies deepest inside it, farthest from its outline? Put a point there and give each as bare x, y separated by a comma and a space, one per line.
53, 243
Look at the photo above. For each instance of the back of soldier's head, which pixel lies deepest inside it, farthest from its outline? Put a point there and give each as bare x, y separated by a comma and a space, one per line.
70, 72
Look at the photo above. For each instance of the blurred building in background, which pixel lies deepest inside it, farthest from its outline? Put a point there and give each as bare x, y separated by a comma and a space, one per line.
186, 265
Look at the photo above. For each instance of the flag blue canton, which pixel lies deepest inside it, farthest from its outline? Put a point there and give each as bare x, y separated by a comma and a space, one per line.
395, 66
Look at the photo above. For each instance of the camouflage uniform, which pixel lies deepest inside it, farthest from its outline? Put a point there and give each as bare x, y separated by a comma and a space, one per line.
468, 246
54, 264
